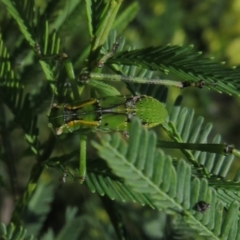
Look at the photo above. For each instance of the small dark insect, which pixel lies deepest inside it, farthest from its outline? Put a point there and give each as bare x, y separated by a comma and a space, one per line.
201, 206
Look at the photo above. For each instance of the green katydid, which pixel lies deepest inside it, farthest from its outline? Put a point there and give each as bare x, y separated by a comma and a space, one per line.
107, 114
111, 113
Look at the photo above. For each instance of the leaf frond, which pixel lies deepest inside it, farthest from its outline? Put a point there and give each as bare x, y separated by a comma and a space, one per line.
184, 63
12, 94
12, 231
22, 11
38, 208
183, 126
165, 185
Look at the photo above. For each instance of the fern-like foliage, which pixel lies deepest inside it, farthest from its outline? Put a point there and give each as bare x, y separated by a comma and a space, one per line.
11, 232
184, 63
12, 94
136, 170
144, 169
182, 126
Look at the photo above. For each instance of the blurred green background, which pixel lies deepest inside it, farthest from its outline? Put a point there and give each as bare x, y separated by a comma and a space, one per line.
212, 26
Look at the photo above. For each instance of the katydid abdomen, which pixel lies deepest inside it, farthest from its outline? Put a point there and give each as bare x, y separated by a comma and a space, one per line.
107, 114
